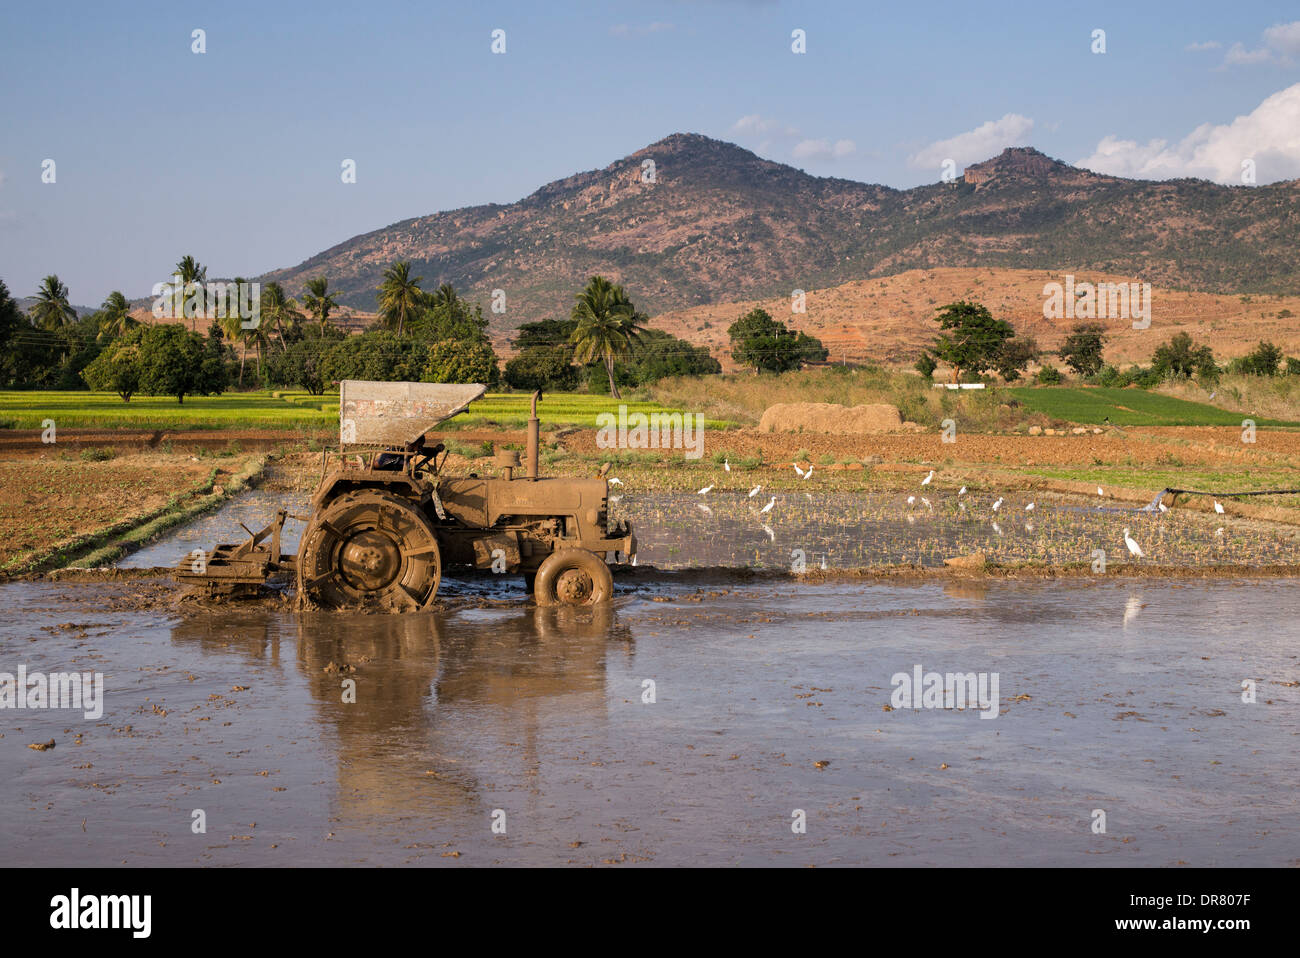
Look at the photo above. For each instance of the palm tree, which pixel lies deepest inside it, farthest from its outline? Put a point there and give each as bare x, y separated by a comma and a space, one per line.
444, 295
280, 309
51, 310
319, 301
608, 326
400, 296
232, 324
115, 316
190, 272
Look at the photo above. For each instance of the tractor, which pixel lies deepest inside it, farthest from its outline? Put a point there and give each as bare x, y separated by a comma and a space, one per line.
385, 522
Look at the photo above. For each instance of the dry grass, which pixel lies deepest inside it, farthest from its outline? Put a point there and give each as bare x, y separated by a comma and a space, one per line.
1264, 397
742, 397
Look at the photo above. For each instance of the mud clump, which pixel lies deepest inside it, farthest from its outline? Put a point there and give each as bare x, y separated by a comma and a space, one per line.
976, 560
832, 418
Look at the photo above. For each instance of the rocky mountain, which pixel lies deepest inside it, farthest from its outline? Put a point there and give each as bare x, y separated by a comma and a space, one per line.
691, 220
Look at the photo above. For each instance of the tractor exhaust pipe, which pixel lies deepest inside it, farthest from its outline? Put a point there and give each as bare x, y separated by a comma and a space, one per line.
534, 437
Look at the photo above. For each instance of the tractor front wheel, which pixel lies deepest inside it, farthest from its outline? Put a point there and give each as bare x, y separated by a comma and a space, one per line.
573, 577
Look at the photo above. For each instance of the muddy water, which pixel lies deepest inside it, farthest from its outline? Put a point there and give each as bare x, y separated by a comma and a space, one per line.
1120, 696
254, 509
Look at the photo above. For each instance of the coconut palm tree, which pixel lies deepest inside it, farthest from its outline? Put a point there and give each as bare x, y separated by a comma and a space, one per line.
280, 309
232, 324
115, 316
608, 326
190, 272
51, 310
444, 295
400, 296
319, 301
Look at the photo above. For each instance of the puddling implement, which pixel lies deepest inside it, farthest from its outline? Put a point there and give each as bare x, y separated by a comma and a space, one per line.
385, 522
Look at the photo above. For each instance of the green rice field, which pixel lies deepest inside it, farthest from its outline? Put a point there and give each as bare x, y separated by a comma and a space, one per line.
282, 409
1126, 407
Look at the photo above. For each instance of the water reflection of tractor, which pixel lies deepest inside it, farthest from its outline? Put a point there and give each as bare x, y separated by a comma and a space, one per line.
385, 521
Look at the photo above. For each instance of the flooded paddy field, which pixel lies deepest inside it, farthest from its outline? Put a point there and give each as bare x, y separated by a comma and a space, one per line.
848, 531
770, 697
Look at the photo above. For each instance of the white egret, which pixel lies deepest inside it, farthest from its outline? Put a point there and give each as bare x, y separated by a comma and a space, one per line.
705, 490
768, 508
755, 491
1133, 548
926, 480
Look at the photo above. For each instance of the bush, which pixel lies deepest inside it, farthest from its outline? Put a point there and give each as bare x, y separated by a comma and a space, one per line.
1108, 375
1049, 376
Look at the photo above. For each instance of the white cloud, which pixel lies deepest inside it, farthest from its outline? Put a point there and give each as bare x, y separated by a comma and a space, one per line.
757, 125
823, 149
1199, 47
1269, 135
986, 140
1281, 45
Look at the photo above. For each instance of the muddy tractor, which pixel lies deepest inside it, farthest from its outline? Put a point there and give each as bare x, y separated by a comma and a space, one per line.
385, 522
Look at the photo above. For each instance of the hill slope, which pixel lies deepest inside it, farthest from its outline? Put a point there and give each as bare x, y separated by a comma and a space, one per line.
721, 224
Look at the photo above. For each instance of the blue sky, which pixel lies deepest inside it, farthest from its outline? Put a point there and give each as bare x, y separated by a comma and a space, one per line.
234, 155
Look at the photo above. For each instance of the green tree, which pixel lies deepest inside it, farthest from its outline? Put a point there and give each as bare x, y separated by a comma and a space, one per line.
972, 338
459, 361
1180, 358
662, 355
546, 332
608, 326
175, 361
763, 343
444, 315
1082, 348
117, 367
319, 301
1015, 354
1263, 360
301, 364
926, 365
400, 296
379, 355
542, 367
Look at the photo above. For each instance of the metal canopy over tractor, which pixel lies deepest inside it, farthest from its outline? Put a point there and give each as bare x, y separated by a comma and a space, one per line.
383, 526
395, 414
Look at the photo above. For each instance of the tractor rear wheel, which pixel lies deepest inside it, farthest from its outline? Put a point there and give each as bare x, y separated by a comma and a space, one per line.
573, 577
369, 549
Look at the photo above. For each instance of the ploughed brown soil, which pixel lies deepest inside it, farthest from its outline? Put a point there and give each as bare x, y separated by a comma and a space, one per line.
52, 500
